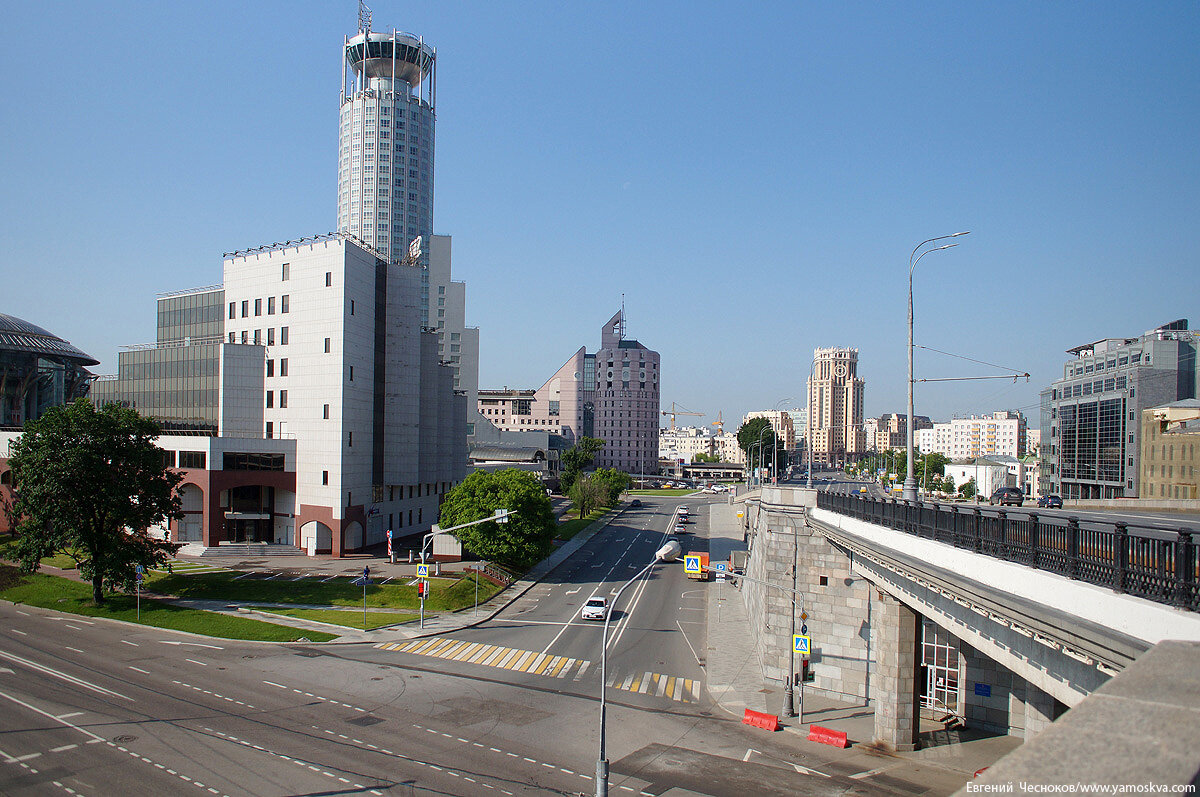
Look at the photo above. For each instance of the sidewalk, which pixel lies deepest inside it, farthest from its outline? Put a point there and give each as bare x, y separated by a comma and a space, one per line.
736, 683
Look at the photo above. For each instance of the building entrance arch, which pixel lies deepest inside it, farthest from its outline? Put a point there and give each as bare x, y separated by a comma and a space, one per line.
316, 536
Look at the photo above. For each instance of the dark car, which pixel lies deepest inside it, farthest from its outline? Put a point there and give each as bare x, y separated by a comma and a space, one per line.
1050, 501
1007, 496
635, 503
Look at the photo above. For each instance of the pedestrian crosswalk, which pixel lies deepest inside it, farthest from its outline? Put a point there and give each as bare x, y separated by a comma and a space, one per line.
683, 690
527, 661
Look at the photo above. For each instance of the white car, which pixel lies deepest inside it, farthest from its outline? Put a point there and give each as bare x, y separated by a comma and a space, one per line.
596, 608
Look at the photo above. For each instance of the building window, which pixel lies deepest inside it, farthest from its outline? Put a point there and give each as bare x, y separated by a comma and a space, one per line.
192, 459
245, 307
258, 307
325, 477
270, 336
287, 272
283, 367
233, 337
326, 412
351, 307
284, 303
258, 337
352, 373
283, 399
270, 430
270, 368
245, 336
270, 305
350, 439
270, 399
327, 342
283, 336
233, 309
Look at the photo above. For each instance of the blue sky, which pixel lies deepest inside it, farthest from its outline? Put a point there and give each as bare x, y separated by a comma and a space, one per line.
752, 177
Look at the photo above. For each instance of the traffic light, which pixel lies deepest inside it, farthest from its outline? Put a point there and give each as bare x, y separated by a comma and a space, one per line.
422, 588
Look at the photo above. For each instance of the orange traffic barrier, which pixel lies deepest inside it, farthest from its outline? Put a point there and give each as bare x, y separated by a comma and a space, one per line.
827, 736
759, 719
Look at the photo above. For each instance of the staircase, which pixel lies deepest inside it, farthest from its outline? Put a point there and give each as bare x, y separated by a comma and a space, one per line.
252, 549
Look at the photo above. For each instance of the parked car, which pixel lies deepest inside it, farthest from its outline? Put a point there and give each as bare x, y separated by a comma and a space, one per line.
596, 608
635, 503
1007, 496
1050, 501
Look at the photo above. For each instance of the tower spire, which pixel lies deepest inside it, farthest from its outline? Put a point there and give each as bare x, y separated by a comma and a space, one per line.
364, 17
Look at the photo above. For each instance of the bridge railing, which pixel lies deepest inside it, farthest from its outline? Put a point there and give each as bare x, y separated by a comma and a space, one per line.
1149, 561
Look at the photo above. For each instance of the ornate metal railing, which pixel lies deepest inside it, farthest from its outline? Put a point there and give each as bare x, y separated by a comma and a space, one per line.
1150, 561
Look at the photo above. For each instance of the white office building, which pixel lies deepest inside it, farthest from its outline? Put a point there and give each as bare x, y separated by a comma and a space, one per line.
684, 443
999, 434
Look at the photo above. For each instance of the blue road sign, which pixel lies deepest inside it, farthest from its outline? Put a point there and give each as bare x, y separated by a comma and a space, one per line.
801, 643
691, 564
720, 567
361, 581
422, 571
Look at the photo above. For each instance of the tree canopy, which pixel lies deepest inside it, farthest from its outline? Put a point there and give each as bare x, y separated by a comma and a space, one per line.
587, 493
615, 482
576, 459
89, 483
756, 437
521, 542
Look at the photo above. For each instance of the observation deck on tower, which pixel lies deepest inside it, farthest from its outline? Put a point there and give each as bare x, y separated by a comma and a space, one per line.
376, 57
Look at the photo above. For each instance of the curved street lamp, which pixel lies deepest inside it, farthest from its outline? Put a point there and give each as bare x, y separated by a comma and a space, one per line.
910, 481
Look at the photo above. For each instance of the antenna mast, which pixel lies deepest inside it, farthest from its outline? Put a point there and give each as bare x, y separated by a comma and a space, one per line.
364, 18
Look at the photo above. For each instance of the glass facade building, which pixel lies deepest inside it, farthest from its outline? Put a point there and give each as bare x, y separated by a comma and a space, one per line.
1091, 417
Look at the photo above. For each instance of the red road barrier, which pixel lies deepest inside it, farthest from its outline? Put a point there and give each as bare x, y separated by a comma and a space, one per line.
759, 719
827, 736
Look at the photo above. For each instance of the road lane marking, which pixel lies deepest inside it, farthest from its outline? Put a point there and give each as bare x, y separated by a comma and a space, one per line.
127, 642
193, 661
75, 650
51, 716
68, 716
487, 655
139, 669
15, 631
33, 665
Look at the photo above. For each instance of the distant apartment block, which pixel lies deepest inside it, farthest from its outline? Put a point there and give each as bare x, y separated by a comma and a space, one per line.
612, 394
725, 446
1092, 420
684, 443
937, 438
999, 434
781, 425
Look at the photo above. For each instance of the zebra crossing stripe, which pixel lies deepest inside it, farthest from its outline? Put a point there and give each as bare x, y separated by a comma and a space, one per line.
496, 653
468, 651
582, 670
488, 655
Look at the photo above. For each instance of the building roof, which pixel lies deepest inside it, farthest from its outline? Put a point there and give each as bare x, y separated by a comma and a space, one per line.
507, 454
19, 335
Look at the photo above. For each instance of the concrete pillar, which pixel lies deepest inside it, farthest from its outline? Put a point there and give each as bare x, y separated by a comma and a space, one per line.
894, 680
1039, 710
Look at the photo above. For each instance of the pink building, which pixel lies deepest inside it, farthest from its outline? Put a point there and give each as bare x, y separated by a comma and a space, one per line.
612, 394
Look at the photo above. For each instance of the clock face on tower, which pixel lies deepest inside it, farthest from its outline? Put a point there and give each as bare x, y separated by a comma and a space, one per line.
839, 370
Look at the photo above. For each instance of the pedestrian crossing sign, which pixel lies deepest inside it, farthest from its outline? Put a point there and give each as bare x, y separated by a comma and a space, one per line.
691, 564
422, 571
801, 643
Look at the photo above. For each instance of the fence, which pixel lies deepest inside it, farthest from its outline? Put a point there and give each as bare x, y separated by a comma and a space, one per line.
1152, 562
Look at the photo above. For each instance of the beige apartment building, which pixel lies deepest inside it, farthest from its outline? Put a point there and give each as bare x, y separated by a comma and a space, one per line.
684, 443
1171, 450
781, 425
725, 446
835, 406
1001, 433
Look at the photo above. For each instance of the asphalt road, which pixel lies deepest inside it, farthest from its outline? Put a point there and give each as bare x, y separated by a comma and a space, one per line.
92, 707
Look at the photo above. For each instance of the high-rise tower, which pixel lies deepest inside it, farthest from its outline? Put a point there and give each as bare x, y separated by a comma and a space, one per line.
835, 407
385, 141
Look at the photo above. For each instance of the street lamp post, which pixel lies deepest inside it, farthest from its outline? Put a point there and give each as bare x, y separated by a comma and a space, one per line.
775, 448
499, 516
808, 421
667, 553
910, 481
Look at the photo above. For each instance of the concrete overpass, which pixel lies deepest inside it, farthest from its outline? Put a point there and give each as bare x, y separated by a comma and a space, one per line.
998, 622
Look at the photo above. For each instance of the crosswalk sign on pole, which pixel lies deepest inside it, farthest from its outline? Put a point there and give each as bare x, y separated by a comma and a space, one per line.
422, 571
801, 643
691, 564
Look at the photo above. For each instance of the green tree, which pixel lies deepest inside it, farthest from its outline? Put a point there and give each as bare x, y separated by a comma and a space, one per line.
702, 457
756, 437
948, 484
521, 542
88, 483
968, 489
587, 493
615, 482
577, 459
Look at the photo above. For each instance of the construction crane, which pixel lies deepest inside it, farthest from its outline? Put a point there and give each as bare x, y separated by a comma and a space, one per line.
673, 412
719, 423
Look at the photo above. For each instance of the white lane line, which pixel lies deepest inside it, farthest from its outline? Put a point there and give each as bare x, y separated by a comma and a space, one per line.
689, 644
73, 627
67, 716
27, 614
15, 631
72, 620
75, 650
63, 748
193, 661
127, 642
33, 665
51, 716
191, 644
272, 683
139, 669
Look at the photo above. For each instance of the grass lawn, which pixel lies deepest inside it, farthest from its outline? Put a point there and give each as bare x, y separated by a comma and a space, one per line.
8, 550
445, 594
64, 595
347, 617
569, 528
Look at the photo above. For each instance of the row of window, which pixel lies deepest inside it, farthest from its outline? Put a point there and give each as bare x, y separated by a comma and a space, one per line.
284, 303
257, 337
1090, 366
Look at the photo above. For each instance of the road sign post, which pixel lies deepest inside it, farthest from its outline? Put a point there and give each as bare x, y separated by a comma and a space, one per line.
391, 552
141, 573
422, 575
